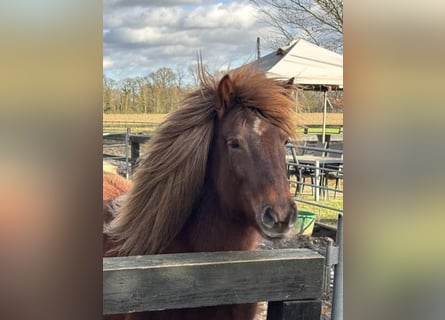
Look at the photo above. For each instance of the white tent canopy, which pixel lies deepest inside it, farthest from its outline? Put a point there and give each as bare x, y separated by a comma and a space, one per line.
306, 62
309, 65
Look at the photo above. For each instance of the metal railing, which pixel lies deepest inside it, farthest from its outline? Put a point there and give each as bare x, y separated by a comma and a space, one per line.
130, 143
319, 165
333, 273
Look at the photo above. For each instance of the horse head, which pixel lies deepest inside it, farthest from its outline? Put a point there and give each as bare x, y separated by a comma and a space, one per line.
249, 160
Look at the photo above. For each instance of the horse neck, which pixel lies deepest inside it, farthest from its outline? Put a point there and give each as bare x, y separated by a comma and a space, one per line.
215, 227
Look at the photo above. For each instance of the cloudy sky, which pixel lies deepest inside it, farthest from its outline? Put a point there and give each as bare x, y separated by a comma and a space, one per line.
143, 36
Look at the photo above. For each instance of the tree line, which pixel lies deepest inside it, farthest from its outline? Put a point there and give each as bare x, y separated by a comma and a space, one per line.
163, 90
160, 91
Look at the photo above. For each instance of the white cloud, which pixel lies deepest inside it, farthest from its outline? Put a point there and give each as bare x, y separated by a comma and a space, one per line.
137, 17
150, 3
234, 15
150, 35
140, 39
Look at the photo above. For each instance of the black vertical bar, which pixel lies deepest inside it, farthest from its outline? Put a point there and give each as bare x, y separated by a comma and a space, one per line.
291, 310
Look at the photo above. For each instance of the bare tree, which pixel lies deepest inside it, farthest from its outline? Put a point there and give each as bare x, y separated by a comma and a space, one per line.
180, 76
161, 91
143, 97
319, 21
107, 96
127, 87
193, 71
163, 77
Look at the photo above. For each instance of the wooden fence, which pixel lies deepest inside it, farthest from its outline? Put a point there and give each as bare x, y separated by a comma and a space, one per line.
121, 126
289, 279
126, 140
143, 126
317, 129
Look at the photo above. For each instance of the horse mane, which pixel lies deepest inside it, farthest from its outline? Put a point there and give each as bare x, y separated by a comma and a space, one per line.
170, 176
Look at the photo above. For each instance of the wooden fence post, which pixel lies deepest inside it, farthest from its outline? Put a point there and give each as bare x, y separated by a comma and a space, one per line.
135, 151
292, 310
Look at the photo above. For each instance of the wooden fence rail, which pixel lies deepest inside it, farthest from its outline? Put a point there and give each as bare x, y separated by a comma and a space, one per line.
133, 142
121, 126
290, 279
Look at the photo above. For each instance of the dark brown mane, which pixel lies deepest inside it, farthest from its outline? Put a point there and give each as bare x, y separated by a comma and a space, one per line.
169, 178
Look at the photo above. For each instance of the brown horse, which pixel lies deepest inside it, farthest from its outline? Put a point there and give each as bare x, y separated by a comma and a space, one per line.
214, 179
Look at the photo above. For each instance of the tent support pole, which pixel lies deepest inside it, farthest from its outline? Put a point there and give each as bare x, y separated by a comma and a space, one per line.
323, 131
296, 101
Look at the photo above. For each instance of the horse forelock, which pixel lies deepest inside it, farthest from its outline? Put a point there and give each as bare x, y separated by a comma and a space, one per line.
170, 176
270, 97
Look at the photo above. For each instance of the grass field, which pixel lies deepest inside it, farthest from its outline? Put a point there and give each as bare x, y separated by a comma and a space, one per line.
304, 118
323, 215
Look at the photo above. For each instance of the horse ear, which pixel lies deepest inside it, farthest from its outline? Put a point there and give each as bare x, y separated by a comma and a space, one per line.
225, 95
289, 83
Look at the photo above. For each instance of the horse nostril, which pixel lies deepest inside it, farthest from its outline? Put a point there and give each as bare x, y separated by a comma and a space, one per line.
269, 217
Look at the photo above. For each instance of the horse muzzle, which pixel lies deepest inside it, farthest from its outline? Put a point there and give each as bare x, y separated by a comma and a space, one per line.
276, 223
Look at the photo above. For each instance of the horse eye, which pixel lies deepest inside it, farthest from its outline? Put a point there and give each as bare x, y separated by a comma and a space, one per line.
286, 141
234, 144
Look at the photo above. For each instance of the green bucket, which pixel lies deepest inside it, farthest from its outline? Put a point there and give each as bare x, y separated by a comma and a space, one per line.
305, 223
